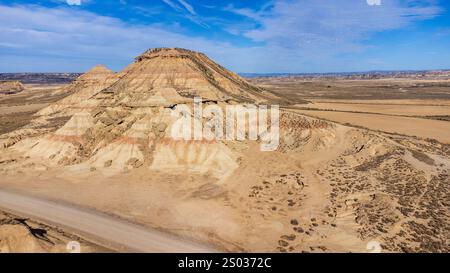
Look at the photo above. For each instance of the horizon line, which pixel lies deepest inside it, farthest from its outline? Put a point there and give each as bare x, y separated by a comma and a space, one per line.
270, 73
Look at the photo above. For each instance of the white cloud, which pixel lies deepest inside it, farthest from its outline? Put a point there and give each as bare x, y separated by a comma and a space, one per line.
374, 2
180, 6
173, 5
188, 7
187, 10
74, 2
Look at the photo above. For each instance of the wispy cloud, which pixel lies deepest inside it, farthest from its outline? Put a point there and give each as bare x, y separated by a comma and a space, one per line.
173, 5
256, 15
188, 7
331, 26
180, 6
187, 10
146, 11
74, 2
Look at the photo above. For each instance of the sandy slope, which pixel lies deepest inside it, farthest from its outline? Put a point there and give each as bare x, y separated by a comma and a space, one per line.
102, 228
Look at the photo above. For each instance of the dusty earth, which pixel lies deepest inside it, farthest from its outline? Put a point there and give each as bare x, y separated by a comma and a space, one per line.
22, 235
10, 87
331, 186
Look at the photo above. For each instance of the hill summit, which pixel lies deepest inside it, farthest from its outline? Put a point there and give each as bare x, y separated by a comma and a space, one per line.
178, 74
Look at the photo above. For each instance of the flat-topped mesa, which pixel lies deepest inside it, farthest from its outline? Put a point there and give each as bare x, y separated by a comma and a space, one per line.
165, 52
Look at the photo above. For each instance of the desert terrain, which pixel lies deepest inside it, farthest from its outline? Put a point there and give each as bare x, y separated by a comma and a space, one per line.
24, 235
408, 104
359, 160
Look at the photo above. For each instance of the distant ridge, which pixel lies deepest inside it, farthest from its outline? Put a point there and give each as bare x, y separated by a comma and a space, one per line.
353, 75
40, 78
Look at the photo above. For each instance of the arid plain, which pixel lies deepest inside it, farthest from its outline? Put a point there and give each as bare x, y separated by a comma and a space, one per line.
359, 160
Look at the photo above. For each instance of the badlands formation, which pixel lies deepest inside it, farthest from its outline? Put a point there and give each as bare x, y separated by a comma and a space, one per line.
327, 187
11, 87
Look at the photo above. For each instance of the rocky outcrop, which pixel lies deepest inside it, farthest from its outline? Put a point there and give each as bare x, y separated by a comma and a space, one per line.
11, 87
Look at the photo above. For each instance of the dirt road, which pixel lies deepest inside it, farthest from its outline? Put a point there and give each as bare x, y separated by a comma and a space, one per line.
107, 230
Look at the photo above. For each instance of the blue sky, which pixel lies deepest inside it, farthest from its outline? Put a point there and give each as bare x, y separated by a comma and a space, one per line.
251, 36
